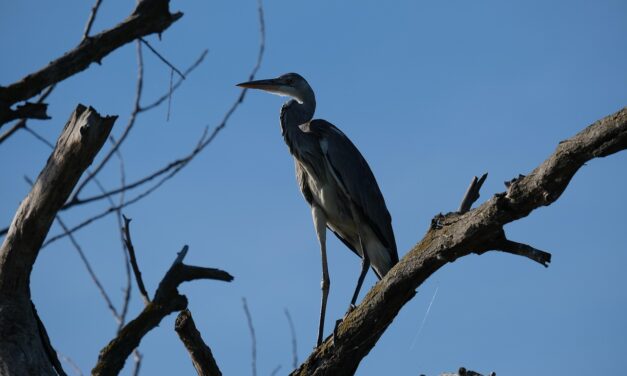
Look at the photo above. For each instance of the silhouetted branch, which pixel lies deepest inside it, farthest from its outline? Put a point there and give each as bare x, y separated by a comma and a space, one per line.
150, 16
178, 164
91, 19
202, 358
253, 337
22, 123
129, 125
131, 252
167, 300
165, 61
176, 85
459, 235
172, 168
90, 271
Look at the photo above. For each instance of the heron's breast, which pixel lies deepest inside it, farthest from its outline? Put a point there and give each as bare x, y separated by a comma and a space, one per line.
328, 195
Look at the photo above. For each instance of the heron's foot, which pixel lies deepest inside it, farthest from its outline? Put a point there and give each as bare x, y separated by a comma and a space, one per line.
437, 222
351, 308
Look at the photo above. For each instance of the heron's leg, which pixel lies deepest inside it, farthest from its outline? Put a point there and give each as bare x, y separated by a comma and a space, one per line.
320, 223
365, 264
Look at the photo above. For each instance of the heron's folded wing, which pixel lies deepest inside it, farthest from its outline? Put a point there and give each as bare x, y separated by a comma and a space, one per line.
355, 176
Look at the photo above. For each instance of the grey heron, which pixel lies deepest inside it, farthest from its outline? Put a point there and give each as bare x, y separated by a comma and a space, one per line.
336, 181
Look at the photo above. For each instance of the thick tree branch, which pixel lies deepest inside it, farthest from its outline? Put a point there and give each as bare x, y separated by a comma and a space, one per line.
83, 136
150, 16
21, 349
166, 301
458, 236
202, 358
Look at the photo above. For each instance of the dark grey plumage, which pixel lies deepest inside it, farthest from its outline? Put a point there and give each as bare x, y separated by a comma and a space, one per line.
336, 181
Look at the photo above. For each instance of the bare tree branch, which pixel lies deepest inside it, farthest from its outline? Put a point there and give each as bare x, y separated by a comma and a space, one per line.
172, 168
204, 140
127, 129
150, 16
472, 193
163, 59
167, 300
82, 137
131, 251
22, 123
91, 19
90, 271
178, 83
202, 358
476, 231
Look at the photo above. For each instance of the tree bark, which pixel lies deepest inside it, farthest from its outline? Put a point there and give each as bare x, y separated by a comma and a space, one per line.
22, 351
457, 235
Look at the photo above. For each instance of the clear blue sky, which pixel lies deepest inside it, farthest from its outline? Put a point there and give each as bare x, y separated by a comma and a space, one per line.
432, 92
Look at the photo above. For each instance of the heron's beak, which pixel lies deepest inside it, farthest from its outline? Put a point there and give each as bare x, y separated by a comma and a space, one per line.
273, 85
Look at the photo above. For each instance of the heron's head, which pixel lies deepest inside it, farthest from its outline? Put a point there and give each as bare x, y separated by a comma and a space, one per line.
288, 85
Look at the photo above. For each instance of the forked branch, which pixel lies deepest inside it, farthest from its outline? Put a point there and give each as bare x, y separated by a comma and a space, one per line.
167, 300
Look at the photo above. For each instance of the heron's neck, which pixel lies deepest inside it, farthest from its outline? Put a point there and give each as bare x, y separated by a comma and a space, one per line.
294, 114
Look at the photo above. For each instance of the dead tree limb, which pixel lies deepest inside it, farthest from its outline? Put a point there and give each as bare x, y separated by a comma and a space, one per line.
21, 351
149, 17
167, 300
202, 358
476, 231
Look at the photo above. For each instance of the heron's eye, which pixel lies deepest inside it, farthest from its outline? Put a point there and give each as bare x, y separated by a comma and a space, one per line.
289, 80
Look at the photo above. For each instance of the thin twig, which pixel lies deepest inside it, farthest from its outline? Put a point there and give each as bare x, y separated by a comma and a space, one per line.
131, 251
276, 370
127, 129
91, 19
90, 270
174, 167
165, 61
137, 362
86, 262
170, 95
293, 334
77, 370
178, 83
253, 337
120, 227
204, 140
38, 136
